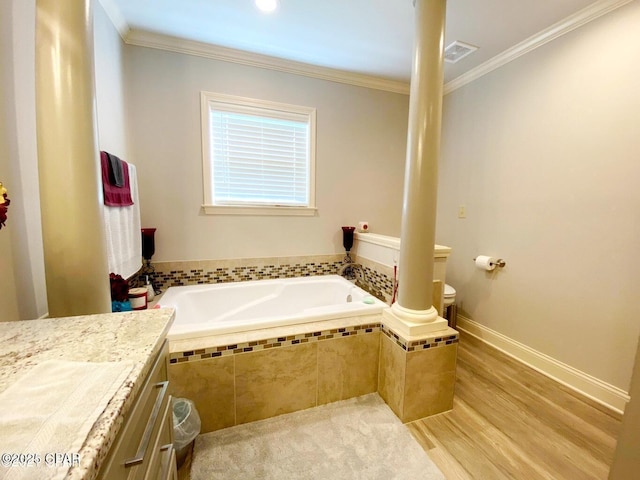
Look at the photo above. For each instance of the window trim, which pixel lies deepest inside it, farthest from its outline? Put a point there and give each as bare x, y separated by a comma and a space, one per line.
208, 206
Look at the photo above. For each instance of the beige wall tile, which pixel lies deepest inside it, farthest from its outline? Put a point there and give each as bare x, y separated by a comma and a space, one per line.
430, 381
434, 394
306, 259
347, 367
433, 360
210, 265
391, 374
273, 382
378, 267
210, 384
252, 262
171, 266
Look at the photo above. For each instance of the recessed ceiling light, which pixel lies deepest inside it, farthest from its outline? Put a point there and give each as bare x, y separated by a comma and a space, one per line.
267, 6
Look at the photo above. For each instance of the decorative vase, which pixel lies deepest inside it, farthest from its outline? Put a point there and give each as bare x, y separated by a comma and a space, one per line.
347, 238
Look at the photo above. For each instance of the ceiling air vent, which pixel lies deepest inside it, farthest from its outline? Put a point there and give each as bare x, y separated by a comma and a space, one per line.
457, 51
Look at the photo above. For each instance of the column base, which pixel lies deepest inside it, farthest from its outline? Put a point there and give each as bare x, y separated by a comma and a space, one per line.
420, 382
413, 323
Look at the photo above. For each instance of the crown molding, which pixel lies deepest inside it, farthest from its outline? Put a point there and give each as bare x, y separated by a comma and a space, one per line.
580, 18
163, 42
189, 47
115, 15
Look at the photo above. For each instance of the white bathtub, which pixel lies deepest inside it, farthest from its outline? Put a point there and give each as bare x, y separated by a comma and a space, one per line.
237, 307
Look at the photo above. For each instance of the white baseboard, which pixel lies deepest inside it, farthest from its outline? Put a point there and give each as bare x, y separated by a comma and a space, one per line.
583, 383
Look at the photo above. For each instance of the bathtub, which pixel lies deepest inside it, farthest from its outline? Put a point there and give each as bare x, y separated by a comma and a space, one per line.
213, 309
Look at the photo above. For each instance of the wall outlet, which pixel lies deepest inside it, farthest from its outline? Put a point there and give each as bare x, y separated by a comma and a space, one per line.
462, 211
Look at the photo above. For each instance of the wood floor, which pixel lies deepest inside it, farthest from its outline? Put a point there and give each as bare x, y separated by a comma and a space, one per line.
510, 422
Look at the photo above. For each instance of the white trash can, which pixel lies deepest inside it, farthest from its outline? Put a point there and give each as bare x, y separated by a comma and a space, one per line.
186, 427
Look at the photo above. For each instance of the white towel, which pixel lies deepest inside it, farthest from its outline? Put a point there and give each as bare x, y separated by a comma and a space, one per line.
124, 238
51, 410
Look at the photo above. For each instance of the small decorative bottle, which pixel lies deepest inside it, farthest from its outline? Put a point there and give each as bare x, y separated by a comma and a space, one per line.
150, 292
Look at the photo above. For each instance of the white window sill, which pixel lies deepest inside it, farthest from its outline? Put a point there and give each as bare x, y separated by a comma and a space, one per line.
258, 210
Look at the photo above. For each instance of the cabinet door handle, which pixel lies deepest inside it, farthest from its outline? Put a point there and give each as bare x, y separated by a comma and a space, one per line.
146, 437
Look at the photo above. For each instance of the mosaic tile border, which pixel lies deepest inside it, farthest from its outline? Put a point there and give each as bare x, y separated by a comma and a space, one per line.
177, 274
377, 284
423, 344
275, 342
176, 277
316, 336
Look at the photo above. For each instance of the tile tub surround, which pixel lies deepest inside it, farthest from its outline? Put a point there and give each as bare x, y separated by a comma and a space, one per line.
253, 379
132, 336
417, 377
379, 277
238, 378
376, 253
274, 341
194, 272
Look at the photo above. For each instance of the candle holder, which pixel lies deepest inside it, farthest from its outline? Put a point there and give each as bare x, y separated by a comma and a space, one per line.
347, 238
148, 249
347, 242
148, 243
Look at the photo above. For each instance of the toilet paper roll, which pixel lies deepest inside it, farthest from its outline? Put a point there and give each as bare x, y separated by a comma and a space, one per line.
363, 226
484, 262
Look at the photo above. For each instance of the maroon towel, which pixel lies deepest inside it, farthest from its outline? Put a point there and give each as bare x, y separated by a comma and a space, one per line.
115, 196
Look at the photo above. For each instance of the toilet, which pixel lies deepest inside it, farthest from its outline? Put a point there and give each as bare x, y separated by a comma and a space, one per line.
449, 305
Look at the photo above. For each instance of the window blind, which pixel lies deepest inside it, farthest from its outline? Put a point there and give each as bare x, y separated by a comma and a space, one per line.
259, 159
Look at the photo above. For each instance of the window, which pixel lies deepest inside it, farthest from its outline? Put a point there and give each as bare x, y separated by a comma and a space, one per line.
258, 156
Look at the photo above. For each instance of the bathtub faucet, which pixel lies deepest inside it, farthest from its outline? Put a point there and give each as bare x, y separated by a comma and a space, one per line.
350, 272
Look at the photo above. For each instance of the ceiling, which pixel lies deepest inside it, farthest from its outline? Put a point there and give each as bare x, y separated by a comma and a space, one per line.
371, 37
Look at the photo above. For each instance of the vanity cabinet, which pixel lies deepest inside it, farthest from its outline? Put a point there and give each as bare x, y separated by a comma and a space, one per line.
143, 449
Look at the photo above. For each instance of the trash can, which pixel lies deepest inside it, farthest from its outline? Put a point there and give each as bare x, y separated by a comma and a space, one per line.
186, 427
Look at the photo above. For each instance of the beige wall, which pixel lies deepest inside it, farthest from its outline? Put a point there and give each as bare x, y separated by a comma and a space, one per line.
109, 75
543, 152
360, 157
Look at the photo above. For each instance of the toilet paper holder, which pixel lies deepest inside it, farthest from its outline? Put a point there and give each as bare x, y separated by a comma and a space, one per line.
498, 263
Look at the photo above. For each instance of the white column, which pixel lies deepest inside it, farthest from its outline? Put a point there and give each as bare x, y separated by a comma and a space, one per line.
413, 312
76, 268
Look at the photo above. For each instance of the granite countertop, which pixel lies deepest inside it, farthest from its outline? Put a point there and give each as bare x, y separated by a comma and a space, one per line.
134, 336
